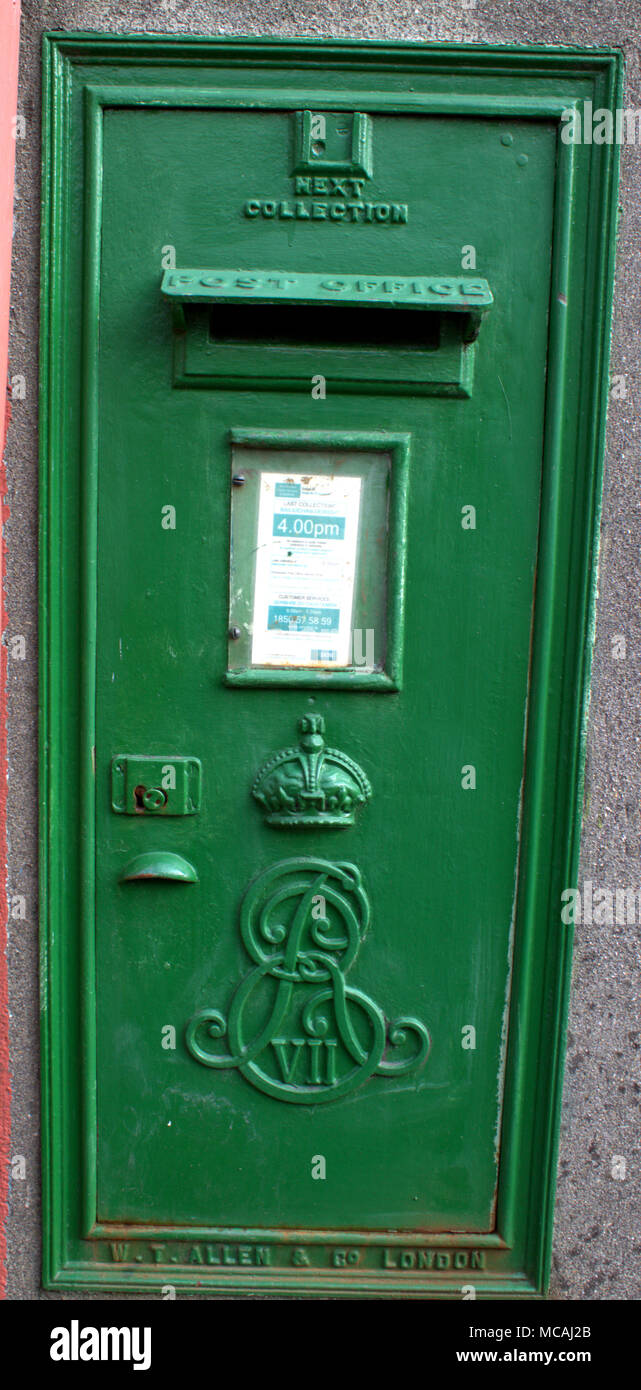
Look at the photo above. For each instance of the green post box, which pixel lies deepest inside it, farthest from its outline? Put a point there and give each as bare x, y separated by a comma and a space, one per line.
324, 373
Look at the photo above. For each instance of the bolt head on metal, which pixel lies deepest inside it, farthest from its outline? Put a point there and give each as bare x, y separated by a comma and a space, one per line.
238, 479
153, 798
234, 633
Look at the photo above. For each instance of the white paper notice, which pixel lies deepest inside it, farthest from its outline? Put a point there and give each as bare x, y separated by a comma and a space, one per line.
305, 565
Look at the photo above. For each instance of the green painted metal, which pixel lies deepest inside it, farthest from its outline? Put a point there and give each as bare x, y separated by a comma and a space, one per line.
421, 841
159, 864
168, 786
455, 294
204, 357
313, 785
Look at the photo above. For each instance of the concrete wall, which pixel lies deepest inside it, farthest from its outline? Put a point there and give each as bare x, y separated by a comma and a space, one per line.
598, 1230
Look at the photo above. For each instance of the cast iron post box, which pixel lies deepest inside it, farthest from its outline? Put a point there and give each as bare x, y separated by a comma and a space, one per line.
325, 334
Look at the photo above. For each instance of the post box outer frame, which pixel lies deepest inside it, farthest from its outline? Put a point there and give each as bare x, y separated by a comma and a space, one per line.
136, 70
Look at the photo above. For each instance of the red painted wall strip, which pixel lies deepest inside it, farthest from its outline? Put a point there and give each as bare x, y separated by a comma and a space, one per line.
9, 47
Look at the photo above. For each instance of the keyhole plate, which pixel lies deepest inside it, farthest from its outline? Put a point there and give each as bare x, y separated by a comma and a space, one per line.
155, 786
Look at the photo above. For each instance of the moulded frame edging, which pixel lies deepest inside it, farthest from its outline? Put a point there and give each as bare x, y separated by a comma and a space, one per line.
58, 74
421, 104
138, 1230
539, 693
89, 530
596, 348
477, 55
81, 1276
55, 118
562, 455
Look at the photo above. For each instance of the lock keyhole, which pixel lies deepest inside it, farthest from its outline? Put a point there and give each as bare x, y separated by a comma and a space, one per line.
149, 798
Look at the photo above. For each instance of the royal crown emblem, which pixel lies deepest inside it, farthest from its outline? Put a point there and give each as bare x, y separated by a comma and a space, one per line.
311, 785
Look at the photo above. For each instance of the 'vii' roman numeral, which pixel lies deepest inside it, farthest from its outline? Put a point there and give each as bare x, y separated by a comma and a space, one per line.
315, 1051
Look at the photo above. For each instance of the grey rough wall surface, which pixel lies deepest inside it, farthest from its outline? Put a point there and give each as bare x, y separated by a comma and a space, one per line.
598, 1227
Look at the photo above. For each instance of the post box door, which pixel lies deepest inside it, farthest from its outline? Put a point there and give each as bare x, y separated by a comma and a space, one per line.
423, 867
322, 359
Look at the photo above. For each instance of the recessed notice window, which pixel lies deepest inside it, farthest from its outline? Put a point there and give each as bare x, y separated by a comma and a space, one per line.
305, 567
316, 560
